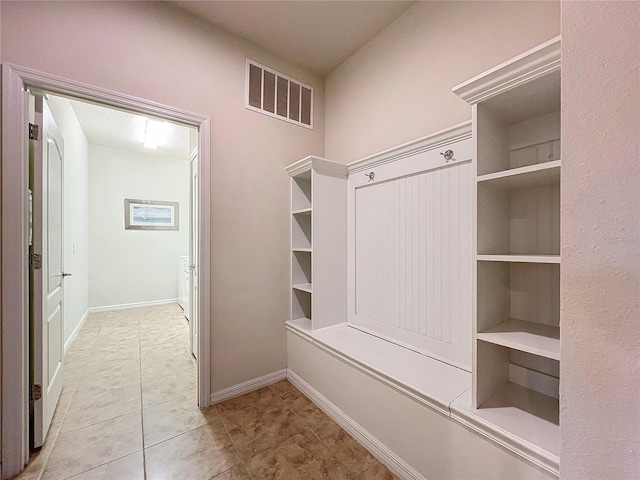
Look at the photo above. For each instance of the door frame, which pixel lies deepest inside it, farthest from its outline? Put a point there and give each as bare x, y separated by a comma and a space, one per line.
14, 293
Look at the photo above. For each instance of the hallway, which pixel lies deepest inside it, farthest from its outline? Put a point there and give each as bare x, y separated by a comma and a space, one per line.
128, 411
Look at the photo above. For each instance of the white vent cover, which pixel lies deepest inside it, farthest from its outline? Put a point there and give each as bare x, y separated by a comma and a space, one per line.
274, 94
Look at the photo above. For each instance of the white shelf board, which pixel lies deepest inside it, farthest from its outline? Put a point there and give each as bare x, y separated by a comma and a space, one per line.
542, 340
519, 258
301, 249
302, 211
537, 175
305, 287
520, 419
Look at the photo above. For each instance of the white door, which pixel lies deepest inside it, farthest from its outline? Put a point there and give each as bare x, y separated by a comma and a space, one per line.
193, 257
47, 281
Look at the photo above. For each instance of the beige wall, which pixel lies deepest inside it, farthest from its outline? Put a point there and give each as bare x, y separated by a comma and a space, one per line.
134, 266
155, 51
398, 87
600, 344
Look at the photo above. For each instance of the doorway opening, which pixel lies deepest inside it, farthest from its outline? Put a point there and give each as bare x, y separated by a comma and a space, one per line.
113, 302
15, 222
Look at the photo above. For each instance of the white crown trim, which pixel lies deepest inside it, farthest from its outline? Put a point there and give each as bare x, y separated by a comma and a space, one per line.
320, 165
456, 133
532, 64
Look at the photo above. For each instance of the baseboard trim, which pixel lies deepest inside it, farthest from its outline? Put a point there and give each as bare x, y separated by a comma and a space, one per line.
125, 306
248, 386
394, 463
76, 331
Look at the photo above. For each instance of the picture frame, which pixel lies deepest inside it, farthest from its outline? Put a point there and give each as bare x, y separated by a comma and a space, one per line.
150, 215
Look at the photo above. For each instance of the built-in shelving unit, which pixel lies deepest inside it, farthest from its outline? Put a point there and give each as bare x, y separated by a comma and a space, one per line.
516, 123
318, 243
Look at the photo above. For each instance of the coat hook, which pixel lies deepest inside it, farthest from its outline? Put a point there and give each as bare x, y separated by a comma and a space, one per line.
371, 176
448, 155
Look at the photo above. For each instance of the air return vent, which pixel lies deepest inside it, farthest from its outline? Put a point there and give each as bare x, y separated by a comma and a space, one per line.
274, 94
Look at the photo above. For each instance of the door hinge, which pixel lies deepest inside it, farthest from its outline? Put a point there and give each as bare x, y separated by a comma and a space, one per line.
33, 131
35, 261
35, 392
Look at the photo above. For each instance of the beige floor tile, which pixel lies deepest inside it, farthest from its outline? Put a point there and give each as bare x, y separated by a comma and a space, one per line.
176, 369
256, 429
29, 474
265, 397
302, 457
79, 350
305, 408
81, 450
164, 350
75, 367
70, 383
121, 339
182, 385
113, 354
162, 367
102, 382
283, 387
148, 339
130, 467
167, 420
86, 410
87, 334
345, 448
111, 349
239, 472
61, 409
377, 472
199, 454
112, 363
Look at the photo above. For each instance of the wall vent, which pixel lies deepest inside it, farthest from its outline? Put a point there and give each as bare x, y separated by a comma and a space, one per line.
274, 94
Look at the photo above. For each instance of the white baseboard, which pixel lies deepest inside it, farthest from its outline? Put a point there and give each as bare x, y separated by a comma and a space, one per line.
76, 331
125, 306
248, 386
398, 466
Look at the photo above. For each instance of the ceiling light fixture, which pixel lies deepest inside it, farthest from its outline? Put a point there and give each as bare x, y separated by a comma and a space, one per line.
153, 133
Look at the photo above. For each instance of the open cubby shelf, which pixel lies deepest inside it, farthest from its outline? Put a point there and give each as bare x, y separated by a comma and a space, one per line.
516, 111
530, 176
531, 337
318, 291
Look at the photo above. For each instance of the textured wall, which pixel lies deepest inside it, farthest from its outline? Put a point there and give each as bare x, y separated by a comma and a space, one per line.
600, 316
398, 86
156, 51
134, 266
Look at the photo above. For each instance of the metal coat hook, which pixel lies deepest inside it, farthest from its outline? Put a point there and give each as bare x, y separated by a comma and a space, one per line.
371, 176
448, 155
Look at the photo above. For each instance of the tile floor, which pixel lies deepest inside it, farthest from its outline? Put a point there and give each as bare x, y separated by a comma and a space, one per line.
128, 411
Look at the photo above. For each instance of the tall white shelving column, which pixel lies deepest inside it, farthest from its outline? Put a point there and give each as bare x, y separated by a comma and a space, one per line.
318, 243
516, 130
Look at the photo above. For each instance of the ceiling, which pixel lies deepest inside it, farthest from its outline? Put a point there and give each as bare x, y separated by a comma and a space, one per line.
318, 35
118, 129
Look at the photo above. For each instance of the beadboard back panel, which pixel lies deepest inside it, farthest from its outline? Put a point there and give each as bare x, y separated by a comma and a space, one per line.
410, 227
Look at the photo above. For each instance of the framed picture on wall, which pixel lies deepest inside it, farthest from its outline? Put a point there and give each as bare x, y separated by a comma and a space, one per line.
150, 215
